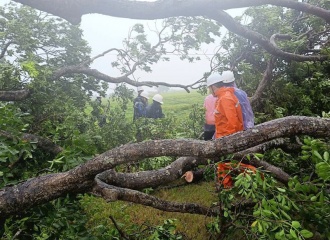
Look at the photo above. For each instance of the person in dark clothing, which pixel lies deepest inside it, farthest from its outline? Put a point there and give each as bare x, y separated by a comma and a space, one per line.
98, 112
138, 97
155, 109
140, 105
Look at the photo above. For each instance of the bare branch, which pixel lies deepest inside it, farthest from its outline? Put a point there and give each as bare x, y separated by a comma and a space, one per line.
278, 173
122, 234
264, 83
151, 52
18, 95
279, 36
4, 49
95, 73
100, 55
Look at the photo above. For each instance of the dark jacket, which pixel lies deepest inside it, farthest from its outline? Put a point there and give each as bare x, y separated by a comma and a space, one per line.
155, 110
139, 108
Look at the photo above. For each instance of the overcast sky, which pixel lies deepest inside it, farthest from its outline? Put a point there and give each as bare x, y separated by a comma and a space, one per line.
105, 32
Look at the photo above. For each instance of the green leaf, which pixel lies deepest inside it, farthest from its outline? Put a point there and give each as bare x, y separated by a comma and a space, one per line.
313, 198
260, 229
306, 234
306, 147
254, 223
281, 190
322, 170
267, 213
258, 155
304, 157
295, 206
293, 233
317, 154
264, 186
321, 197
307, 141
326, 156
295, 224
279, 235
285, 215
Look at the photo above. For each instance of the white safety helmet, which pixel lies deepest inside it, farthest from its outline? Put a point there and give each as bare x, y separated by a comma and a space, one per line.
158, 98
139, 89
145, 95
225, 77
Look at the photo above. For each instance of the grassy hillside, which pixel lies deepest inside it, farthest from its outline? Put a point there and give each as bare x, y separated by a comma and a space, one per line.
175, 102
127, 214
180, 102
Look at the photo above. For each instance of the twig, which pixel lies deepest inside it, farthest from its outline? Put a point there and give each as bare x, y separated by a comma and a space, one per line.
122, 234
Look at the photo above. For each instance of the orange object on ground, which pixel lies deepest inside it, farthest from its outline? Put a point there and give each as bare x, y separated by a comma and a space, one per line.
224, 172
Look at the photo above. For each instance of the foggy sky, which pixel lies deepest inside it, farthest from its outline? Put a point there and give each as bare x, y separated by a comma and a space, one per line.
105, 32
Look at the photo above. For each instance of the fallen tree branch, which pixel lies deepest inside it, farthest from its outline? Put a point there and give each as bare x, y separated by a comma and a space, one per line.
112, 193
80, 179
154, 178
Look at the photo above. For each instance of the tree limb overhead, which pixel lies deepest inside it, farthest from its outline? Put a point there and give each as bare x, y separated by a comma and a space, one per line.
73, 10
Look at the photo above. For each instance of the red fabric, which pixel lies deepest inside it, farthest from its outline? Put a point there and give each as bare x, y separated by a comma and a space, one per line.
224, 172
228, 113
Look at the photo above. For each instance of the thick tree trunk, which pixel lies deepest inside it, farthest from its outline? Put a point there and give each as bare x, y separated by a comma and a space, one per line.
81, 179
73, 10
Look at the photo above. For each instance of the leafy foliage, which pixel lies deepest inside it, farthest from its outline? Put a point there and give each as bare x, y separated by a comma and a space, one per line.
61, 218
296, 88
275, 211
